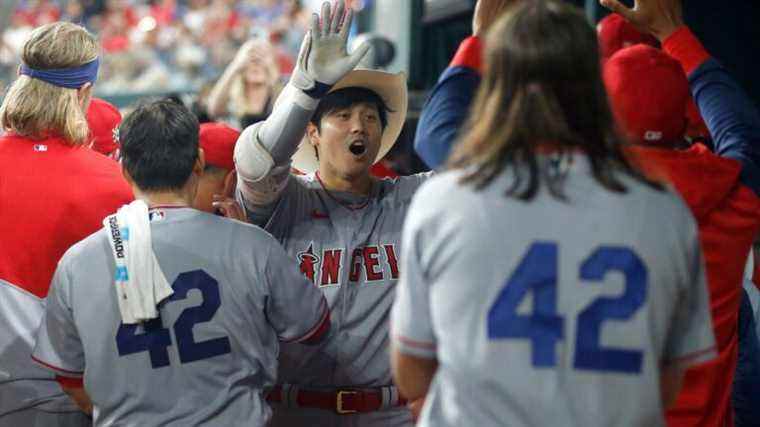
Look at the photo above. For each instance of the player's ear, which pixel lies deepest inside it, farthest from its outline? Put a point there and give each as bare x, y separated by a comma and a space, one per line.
230, 181
312, 132
200, 162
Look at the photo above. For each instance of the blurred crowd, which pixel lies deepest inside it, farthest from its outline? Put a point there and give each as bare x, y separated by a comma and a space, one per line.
166, 45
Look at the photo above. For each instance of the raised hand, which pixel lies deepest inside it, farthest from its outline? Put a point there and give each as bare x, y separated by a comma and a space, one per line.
261, 51
254, 49
486, 13
660, 18
323, 59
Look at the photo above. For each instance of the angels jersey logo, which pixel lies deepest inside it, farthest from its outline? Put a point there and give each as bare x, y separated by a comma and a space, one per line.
308, 262
373, 263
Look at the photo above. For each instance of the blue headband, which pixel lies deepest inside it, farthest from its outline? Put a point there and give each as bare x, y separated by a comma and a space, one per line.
72, 78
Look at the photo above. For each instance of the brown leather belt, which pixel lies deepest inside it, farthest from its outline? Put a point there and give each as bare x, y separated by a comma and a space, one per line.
340, 401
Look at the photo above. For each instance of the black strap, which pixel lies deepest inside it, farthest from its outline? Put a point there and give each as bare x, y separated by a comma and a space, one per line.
319, 90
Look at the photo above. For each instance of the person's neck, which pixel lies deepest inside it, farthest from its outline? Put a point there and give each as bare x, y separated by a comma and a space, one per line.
164, 198
360, 185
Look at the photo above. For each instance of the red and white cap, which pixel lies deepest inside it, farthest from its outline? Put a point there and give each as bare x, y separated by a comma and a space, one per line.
648, 92
103, 119
218, 143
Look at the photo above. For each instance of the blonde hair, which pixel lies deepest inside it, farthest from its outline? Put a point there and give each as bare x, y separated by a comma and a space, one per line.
37, 109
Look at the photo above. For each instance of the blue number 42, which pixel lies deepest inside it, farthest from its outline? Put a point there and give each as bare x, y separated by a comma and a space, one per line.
537, 275
155, 338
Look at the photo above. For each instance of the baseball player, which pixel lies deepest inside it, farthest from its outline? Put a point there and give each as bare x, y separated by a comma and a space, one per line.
615, 33
218, 143
54, 193
522, 300
341, 225
721, 185
445, 110
745, 393
204, 355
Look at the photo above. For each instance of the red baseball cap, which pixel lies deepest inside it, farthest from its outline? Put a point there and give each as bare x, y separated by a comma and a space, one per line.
648, 93
218, 143
103, 119
615, 33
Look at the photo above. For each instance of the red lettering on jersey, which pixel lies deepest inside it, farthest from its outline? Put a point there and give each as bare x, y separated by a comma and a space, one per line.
331, 266
370, 262
356, 265
308, 262
392, 260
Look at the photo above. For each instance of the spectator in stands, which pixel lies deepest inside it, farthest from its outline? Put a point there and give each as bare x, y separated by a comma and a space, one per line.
249, 85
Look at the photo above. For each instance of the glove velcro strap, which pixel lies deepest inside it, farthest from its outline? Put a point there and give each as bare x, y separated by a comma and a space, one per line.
319, 90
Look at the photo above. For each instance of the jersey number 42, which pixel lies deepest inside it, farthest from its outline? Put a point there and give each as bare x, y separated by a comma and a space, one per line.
537, 274
155, 339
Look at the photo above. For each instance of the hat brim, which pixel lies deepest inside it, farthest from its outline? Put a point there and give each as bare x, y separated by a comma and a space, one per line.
391, 88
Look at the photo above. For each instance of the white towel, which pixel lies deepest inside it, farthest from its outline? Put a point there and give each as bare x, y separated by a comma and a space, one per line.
139, 282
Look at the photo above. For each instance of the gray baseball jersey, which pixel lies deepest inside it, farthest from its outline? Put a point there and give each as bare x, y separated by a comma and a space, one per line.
205, 360
351, 253
550, 312
27, 392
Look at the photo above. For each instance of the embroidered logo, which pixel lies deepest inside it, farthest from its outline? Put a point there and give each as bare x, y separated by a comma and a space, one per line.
308, 262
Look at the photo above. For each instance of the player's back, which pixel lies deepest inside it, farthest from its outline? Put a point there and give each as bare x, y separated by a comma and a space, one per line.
51, 196
47, 184
553, 312
206, 359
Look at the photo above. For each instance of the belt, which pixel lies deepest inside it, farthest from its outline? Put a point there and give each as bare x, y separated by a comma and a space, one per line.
343, 401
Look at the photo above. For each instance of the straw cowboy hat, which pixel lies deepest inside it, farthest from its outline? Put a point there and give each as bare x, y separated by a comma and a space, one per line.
390, 87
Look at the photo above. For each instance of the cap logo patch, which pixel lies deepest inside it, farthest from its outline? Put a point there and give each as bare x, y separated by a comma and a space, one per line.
652, 135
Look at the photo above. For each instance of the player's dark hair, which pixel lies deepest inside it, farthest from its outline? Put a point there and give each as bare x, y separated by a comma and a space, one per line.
346, 97
541, 87
159, 145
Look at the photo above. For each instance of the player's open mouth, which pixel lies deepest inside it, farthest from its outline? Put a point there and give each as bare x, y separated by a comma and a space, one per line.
357, 148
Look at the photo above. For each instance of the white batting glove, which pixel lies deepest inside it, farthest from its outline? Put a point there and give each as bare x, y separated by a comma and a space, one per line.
323, 59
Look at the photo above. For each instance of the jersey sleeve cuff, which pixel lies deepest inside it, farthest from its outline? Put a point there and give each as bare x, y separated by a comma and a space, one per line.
414, 347
319, 329
685, 47
469, 54
58, 370
67, 382
693, 358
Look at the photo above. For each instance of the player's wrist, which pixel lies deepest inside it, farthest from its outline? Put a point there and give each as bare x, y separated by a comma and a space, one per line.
686, 48
318, 90
469, 54
298, 96
308, 84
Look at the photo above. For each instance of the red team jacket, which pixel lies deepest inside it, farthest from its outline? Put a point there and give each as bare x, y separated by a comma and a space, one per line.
728, 216
717, 187
52, 195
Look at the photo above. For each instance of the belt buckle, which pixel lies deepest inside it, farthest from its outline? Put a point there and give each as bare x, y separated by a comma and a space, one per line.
339, 402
